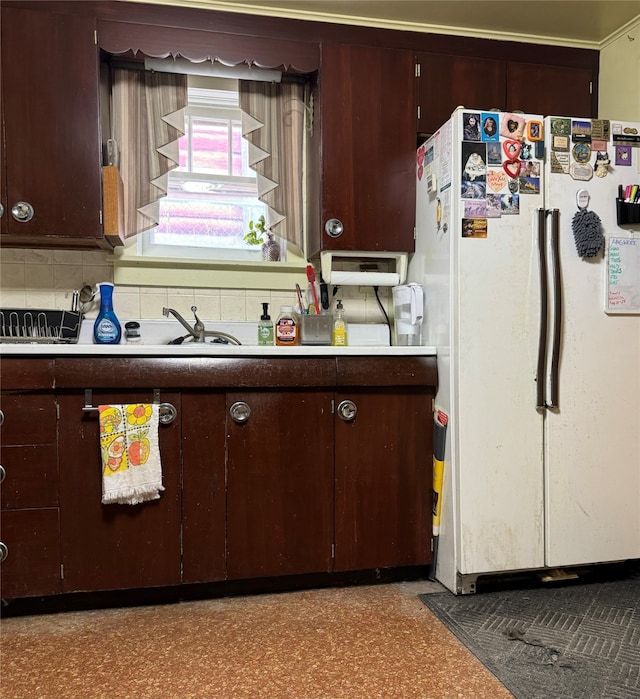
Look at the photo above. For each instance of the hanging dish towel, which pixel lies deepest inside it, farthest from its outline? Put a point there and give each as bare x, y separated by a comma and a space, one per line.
131, 466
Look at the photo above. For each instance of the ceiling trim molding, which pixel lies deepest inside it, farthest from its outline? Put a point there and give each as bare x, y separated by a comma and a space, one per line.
629, 27
308, 15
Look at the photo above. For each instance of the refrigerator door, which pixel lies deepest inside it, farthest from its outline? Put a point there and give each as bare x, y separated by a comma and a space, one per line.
498, 456
431, 267
592, 438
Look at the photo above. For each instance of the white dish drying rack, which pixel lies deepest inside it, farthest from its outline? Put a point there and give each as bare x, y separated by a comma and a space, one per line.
33, 325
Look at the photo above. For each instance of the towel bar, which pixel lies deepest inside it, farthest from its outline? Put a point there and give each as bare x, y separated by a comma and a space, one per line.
167, 411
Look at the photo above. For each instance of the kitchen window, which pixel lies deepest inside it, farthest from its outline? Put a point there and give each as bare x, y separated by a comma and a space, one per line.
212, 196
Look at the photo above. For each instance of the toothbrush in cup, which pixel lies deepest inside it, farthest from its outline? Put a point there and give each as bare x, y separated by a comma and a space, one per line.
311, 278
300, 302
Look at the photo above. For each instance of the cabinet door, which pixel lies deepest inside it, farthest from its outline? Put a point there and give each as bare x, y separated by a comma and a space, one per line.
446, 82
384, 487
29, 476
51, 129
115, 546
367, 111
29, 417
32, 563
280, 483
203, 487
29, 493
551, 90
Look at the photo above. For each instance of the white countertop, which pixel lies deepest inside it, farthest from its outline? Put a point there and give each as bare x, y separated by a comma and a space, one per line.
365, 340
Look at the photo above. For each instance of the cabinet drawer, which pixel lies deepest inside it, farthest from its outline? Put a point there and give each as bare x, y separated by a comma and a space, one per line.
32, 565
30, 476
26, 373
29, 418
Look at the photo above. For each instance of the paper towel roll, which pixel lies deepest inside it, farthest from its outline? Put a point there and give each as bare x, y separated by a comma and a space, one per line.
364, 278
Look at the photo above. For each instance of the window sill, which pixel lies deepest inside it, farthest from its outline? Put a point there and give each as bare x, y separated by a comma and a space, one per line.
130, 269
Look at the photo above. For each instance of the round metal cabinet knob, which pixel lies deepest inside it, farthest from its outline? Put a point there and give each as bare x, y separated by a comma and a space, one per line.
240, 412
4, 551
334, 228
1, 210
347, 410
167, 413
1, 417
3, 474
22, 211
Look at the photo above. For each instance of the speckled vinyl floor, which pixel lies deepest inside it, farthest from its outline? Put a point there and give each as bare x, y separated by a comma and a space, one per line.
374, 642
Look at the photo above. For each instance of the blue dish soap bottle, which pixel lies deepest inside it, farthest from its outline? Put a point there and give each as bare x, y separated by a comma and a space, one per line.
106, 329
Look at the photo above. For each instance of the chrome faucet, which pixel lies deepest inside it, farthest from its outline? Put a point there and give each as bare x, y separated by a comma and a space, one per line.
197, 331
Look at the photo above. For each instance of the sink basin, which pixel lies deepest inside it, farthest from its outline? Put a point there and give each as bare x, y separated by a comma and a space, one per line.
210, 337
164, 332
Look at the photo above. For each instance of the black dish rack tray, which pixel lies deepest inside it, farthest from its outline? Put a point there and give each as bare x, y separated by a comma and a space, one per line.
31, 325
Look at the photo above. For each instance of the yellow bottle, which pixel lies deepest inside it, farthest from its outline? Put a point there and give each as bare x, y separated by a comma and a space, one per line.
339, 337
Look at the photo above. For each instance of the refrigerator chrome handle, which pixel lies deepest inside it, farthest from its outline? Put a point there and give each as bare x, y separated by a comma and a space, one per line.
554, 370
542, 335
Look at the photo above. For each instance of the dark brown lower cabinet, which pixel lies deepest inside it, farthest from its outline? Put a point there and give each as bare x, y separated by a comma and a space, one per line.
32, 563
271, 468
106, 547
29, 524
280, 482
29, 521
384, 452
204, 496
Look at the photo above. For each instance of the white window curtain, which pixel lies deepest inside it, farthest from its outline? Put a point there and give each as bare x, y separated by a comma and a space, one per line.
273, 118
147, 119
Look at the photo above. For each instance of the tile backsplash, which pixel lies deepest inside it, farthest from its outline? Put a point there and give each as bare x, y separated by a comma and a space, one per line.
47, 278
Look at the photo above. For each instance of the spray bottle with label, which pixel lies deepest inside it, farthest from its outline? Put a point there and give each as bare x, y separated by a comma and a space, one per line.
106, 329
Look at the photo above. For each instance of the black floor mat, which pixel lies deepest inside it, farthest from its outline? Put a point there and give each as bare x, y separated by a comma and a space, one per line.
575, 641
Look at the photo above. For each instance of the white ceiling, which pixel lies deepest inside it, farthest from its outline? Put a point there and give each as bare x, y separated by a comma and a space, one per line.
567, 22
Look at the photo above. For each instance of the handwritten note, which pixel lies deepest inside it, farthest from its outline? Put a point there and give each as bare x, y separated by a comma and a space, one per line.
623, 276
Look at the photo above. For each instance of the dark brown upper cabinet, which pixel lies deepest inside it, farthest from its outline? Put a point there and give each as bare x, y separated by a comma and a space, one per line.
51, 164
551, 90
367, 110
445, 82
361, 161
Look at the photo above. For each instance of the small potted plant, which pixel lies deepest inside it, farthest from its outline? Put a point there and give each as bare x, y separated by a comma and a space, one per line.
259, 234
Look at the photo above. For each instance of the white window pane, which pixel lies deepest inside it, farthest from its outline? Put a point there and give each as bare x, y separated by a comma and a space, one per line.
210, 146
213, 193
215, 219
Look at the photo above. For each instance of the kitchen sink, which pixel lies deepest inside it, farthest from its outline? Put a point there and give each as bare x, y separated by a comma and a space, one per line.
210, 337
365, 339
169, 332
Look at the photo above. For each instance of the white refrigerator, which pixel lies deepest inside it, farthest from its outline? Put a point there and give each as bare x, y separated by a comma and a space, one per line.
536, 322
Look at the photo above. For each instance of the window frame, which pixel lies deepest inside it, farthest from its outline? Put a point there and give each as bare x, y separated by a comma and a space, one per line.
135, 267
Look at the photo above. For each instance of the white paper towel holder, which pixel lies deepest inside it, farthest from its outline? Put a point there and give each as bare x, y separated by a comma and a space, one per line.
396, 260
